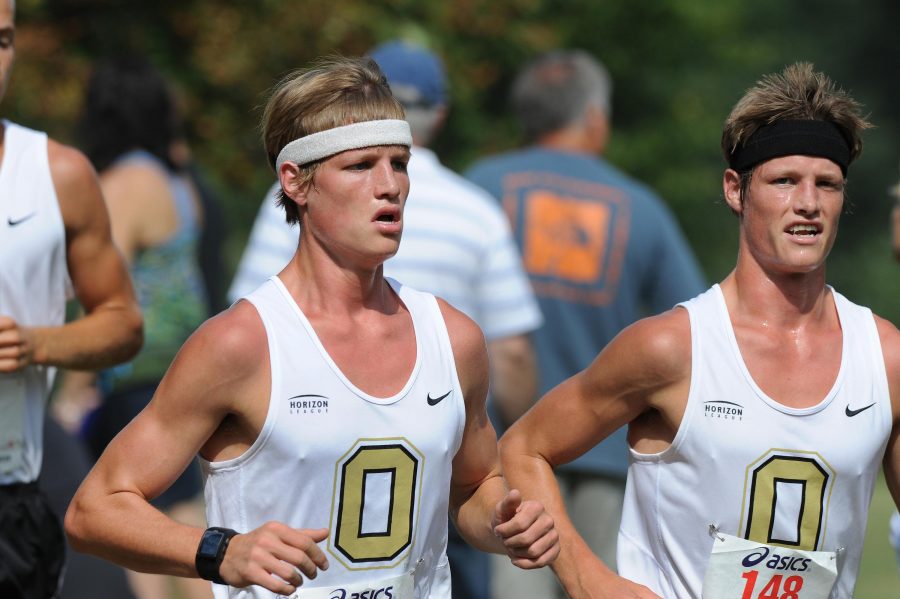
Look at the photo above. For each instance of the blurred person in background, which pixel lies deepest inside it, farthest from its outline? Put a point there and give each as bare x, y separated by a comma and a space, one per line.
456, 245
55, 243
128, 129
601, 250
213, 230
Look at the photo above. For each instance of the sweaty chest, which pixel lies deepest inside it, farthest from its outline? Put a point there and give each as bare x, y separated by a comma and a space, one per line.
798, 374
378, 363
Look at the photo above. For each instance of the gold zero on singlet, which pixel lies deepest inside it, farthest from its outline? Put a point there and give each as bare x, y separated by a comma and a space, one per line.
786, 498
377, 487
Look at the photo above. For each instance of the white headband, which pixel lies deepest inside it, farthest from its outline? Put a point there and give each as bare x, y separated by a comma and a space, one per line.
393, 132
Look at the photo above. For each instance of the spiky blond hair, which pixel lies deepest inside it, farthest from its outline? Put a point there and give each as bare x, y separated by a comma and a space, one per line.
797, 93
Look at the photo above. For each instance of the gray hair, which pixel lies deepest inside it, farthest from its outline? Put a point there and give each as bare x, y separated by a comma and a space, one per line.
554, 91
423, 117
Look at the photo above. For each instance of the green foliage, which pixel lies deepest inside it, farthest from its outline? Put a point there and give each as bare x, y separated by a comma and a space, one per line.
678, 68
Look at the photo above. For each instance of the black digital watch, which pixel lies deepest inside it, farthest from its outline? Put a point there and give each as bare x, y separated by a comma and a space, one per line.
211, 552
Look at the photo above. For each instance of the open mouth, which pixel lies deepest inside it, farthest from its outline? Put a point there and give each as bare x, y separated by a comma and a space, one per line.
804, 230
386, 218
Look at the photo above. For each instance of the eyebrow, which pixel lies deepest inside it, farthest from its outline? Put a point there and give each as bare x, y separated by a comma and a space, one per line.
374, 150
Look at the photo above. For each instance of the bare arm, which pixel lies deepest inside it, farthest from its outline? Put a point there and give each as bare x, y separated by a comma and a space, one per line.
111, 329
485, 514
513, 375
638, 378
890, 347
142, 214
221, 371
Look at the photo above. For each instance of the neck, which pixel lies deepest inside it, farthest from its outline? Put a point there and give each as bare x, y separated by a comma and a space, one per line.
779, 299
572, 140
321, 281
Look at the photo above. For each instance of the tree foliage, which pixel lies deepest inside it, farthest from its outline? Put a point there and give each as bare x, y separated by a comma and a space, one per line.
678, 67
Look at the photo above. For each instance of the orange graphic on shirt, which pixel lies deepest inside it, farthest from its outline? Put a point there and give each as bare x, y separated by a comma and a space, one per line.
565, 238
573, 234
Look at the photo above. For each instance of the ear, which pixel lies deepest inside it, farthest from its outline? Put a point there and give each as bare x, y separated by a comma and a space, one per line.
292, 183
596, 125
441, 116
731, 188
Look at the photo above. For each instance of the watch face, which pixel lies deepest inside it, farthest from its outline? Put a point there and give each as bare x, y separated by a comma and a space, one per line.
209, 544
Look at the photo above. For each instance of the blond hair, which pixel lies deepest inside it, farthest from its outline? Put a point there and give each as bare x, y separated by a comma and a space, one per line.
332, 92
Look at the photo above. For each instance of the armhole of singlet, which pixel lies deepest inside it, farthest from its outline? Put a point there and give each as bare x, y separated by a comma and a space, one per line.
444, 337
271, 411
687, 417
882, 388
44, 154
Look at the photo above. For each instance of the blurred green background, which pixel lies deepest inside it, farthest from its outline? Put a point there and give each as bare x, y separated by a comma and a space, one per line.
678, 67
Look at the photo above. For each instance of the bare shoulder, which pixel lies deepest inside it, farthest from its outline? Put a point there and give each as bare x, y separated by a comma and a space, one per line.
890, 349
661, 343
647, 360
232, 341
77, 187
888, 332
135, 178
890, 344
465, 335
69, 167
469, 349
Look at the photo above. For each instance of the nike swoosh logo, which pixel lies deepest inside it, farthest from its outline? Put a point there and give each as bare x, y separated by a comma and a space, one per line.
12, 222
852, 413
433, 401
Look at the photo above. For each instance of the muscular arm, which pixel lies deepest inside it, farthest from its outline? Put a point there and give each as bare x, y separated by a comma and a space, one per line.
485, 514
890, 347
640, 379
111, 329
513, 374
110, 515
221, 371
477, 484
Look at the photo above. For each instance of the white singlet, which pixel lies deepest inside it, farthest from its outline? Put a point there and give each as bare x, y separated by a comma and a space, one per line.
374, 471
34, 283
753, 468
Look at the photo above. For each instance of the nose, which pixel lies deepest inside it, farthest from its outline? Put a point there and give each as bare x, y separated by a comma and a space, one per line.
806, 198
387, 184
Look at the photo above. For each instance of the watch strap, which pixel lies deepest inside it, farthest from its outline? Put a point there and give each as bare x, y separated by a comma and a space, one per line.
209, 558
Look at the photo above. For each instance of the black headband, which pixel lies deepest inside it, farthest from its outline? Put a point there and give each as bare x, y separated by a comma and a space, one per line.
789, 137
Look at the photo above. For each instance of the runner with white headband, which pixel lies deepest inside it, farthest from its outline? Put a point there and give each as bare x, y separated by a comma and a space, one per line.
339, 414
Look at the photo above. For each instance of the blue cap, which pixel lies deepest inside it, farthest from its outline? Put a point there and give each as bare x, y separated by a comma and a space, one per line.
415, 74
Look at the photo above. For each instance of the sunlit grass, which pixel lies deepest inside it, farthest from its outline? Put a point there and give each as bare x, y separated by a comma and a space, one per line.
879, 576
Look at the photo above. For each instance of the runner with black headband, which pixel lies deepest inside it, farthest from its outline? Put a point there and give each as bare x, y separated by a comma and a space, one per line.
339, 414
760, 411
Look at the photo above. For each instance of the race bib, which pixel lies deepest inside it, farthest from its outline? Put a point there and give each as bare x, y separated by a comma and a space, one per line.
399, 587
742, 569
12, 421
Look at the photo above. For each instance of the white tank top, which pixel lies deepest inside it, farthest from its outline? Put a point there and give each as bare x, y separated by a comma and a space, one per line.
34, 282
754, 468
374, 471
